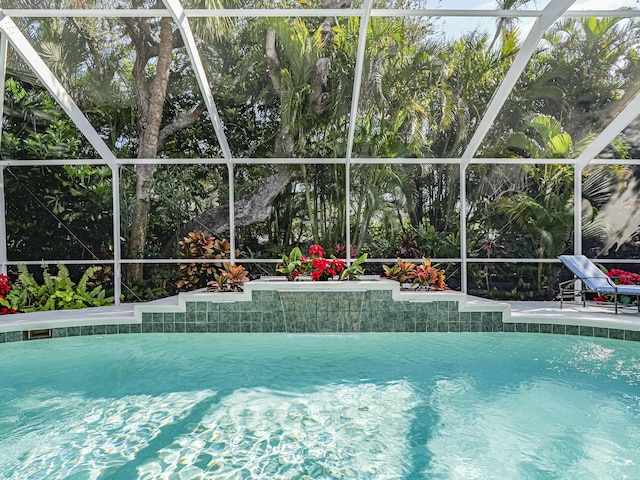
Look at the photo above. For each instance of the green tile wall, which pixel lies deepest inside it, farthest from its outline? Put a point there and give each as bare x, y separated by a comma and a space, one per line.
324, 312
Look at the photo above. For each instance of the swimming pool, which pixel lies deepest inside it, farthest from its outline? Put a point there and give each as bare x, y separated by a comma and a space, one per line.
375, 406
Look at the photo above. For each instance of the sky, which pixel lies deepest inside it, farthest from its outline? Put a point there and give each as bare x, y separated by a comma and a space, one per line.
536, 4
456, 26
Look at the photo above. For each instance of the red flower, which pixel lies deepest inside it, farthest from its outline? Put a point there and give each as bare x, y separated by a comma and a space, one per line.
315, 275
599, 299
320, 264
338, 265
6, 310
316, 250
4, 284
623, 277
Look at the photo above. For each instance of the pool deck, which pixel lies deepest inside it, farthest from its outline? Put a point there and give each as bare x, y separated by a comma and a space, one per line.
592, 315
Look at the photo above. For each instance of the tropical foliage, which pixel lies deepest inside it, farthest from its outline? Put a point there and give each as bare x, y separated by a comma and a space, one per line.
230, 278
53, 292
198, 246
419, 277
283, 88
315, 266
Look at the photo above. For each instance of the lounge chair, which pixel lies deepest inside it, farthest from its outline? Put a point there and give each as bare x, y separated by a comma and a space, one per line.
593, 280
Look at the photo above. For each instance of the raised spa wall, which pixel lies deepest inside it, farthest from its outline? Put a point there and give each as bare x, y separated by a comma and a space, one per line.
311, 307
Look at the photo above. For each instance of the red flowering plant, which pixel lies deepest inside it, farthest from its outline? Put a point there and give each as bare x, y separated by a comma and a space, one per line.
316, 266
620, 277
5, 288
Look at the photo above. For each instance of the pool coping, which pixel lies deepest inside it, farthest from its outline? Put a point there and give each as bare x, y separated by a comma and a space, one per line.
128, 318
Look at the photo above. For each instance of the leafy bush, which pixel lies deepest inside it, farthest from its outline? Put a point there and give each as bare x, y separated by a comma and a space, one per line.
230, 278
403, 272
425, 276
317, 267
56, 292
197, 245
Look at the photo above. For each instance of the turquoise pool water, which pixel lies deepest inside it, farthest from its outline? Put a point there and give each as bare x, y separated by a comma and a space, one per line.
275, 406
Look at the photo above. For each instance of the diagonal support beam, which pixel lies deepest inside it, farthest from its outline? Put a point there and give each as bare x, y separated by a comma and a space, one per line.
179, 16
28, 53
355, 100
24, 48
622, 120
357, 80
549, 15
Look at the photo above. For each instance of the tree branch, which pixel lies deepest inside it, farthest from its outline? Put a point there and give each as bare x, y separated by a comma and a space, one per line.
177, 125
248, 211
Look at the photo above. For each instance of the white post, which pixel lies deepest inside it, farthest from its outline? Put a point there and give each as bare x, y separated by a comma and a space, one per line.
232, 215
4, 46
463, 229
355, 98
577, 221
117, 248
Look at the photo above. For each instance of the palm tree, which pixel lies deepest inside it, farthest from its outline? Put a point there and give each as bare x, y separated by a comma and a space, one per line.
506, 25
542, 210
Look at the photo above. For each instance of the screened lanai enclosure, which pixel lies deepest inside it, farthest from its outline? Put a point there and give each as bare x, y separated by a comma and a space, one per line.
488, 136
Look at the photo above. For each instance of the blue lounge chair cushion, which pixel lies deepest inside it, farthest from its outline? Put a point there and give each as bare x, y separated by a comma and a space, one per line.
592, 277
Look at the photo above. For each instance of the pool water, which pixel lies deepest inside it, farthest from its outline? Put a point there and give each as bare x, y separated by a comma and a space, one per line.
276, 406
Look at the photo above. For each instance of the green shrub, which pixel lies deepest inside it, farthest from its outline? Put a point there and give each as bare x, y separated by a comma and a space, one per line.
57, 292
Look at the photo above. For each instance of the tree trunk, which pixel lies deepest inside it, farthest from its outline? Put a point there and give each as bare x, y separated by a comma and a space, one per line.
150, 99
254, 209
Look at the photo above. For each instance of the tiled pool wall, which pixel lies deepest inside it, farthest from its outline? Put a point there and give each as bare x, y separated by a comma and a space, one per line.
274, 311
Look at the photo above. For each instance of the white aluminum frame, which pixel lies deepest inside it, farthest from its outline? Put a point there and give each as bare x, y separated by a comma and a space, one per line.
4, 48
48, 79
9, 34
355, 101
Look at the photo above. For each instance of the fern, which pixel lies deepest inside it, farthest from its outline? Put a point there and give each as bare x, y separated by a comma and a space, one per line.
57, 292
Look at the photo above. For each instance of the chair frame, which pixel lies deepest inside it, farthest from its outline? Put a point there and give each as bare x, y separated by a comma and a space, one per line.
611, 288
